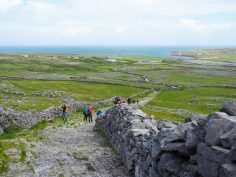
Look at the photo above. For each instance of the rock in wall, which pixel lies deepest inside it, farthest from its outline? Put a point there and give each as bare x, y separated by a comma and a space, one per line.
201, 147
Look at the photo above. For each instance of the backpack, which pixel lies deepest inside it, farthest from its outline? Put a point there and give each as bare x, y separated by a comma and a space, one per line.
85, 111
67, 109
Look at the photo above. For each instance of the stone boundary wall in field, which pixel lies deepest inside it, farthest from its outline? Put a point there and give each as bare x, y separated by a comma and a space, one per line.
201, 147
27, 119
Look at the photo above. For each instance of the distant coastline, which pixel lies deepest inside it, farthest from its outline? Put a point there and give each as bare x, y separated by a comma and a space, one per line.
160, 52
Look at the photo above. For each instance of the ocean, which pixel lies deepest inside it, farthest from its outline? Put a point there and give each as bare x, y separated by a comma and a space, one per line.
162, 52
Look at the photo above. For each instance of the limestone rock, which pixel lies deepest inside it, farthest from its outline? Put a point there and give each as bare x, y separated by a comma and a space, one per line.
190, 171
216, 127
229, 107
210, 159
138, 112
228, 170
228, 139
170, 164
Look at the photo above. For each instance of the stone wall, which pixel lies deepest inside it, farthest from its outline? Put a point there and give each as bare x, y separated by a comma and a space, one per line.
200, 147
26, 119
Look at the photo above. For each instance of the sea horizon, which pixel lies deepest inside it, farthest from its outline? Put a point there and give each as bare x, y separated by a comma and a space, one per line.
145, 51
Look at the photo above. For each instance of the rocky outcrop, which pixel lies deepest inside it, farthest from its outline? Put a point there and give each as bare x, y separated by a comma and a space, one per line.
201, 147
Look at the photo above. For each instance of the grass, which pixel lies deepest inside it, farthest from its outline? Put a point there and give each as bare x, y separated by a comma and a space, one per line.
46, 73
162, 116
210, 99
73, 90
5, 159
40, 126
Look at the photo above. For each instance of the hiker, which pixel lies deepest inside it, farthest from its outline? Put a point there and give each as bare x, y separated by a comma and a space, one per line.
65, 110
99, 112
129, 101
90, 113
117, 100
85, 112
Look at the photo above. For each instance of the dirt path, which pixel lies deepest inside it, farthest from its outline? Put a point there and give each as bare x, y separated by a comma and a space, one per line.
145, 100
69, 152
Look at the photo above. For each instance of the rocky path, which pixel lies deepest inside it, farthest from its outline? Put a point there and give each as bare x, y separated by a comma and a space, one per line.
69, 152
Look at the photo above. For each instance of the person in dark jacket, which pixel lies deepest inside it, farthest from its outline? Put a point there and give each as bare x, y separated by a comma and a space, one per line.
85, 112
64, 113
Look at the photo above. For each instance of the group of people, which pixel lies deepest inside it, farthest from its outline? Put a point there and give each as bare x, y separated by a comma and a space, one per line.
88, 113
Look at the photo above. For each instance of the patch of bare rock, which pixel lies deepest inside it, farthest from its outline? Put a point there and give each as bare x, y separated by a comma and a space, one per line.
69, 152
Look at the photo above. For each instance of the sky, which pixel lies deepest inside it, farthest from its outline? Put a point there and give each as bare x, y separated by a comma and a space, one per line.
117, 22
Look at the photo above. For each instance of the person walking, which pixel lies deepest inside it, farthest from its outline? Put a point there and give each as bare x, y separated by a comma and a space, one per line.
64, 112
90, 113
99, 112
129, 101
85, 112
117, 101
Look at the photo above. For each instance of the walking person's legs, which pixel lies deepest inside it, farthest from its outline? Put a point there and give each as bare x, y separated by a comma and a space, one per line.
89, 118
65, 117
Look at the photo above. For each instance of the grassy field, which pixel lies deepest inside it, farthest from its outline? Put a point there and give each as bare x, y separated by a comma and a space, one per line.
55, 93
40, 81
202, 100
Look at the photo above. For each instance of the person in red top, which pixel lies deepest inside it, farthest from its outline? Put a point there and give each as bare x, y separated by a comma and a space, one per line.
90, 113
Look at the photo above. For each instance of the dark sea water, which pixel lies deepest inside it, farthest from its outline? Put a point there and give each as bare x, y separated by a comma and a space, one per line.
163, 52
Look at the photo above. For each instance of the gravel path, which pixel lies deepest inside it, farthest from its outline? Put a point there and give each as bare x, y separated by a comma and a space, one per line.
69, 152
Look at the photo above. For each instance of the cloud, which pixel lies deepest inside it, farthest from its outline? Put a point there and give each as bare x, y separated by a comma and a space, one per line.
199, 26
5, 5
77, 30
114, 21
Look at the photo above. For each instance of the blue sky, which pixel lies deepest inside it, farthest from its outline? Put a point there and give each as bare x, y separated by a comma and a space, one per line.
118, 22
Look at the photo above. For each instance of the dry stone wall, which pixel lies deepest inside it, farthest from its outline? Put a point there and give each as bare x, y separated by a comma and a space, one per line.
200, 147
26, 119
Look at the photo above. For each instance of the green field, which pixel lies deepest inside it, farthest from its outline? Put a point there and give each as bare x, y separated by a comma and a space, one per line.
40, 81
62, 92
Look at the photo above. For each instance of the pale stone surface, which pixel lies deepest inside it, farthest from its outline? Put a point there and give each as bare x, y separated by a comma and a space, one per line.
69, 152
